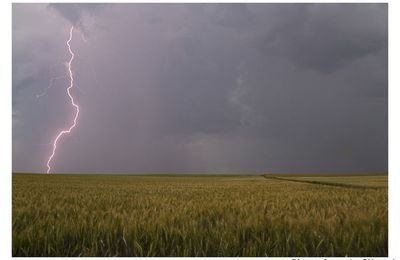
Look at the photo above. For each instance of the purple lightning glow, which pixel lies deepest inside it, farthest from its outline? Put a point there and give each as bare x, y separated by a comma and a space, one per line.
71, 76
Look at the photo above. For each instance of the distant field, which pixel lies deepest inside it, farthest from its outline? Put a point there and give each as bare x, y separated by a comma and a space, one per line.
82, 215
368, 181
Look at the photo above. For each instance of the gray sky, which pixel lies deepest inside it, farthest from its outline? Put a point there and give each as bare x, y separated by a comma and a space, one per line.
168, 88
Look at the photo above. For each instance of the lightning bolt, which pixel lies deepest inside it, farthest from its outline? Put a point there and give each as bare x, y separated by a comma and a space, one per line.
71, 84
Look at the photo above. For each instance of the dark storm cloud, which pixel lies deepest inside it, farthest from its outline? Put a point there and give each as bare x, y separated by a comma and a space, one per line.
205, 87
325, 37
77, 13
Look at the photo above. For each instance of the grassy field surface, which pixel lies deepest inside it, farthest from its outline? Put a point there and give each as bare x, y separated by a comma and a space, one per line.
82, 215
361, 181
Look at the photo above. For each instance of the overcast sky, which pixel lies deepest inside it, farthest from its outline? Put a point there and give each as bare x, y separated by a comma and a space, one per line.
175, 88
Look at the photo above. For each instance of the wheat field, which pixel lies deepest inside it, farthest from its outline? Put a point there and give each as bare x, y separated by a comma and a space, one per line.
105, 215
